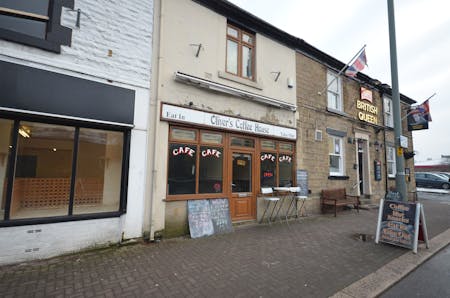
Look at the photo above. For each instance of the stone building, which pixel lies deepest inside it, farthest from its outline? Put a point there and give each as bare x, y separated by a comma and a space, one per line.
345, 129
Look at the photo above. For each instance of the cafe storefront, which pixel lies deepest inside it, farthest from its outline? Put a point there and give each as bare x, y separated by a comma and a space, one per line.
217, 156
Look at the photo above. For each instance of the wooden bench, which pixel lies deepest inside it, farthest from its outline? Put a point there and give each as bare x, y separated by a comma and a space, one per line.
338, 197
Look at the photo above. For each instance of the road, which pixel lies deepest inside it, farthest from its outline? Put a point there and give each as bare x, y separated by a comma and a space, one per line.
429, 280
432, 278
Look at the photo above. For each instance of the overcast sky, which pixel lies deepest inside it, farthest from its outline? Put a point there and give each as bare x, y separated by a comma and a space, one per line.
341, 28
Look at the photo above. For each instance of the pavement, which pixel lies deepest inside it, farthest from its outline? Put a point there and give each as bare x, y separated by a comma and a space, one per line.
316, 256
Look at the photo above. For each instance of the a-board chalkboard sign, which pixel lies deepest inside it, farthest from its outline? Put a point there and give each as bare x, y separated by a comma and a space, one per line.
220, 215
302, 182
208, 217
398, 223
199, 217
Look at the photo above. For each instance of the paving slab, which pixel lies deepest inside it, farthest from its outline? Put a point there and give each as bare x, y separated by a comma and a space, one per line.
317, 256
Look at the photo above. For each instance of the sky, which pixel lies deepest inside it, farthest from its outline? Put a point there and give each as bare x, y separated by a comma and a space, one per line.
341, 28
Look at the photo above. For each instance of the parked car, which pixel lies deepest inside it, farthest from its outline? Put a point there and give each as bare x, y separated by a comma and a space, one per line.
444, 174
433, 180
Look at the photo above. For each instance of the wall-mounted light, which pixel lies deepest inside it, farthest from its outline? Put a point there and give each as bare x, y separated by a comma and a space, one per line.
377, 146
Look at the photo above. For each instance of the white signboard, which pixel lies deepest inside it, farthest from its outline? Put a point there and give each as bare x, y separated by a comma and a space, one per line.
179, 114
404, 142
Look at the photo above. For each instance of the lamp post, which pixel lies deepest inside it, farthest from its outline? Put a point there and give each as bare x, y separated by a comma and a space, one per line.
400, 182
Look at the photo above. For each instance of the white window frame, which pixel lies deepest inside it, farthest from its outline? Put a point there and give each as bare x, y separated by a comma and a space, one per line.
390, 159
331, 103
333, 139
388, 112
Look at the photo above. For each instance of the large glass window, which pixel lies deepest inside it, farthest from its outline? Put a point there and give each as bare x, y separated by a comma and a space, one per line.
240, 52
195, 163
6, 129
268, 170
99, 169
43, 170
211, 170
182, 173
50, 179
286, 168
276, 164
334, 92
335, 151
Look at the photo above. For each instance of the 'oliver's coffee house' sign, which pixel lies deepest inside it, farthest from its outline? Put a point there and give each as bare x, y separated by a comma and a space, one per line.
367, 112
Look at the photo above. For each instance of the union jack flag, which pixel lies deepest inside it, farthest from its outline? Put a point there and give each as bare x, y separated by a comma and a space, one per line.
424, 110
357, 65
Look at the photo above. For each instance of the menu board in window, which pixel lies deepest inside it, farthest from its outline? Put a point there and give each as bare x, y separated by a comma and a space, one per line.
302, 182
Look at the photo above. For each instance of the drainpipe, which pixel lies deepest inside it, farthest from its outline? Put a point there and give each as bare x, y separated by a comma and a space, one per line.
154, 103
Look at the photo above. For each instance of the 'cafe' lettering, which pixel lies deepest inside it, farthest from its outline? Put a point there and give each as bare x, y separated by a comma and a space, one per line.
183, 150
211, 152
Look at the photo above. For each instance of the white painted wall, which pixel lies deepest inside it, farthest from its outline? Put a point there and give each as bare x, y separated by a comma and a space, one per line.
178, 25
43, 241
125, 28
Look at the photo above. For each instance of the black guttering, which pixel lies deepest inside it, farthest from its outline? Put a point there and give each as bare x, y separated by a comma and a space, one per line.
241, 17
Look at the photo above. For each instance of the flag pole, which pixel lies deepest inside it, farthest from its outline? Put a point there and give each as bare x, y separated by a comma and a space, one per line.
343, 68
423, 101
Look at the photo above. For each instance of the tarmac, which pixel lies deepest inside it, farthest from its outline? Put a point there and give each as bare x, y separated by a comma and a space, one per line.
315, 256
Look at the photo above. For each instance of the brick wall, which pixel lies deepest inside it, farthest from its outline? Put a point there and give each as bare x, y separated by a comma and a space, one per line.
114, 46
123, 27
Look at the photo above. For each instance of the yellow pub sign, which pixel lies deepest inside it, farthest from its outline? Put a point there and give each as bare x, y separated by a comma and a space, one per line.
367, 111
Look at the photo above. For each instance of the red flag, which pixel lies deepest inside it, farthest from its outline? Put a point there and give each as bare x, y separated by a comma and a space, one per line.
357, 65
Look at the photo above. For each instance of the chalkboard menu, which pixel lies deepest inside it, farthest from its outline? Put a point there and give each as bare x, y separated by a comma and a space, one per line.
208, 217
302, 182
398, 223
220, 215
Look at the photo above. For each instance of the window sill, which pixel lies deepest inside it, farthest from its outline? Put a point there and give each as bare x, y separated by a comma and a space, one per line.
185, 197
331, 110
334, 177
57, 219
233, 78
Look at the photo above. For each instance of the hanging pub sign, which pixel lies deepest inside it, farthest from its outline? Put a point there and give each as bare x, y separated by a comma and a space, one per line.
367, 112
417, 120
398, 224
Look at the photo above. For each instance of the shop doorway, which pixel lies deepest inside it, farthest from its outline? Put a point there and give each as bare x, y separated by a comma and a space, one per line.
360, 166
243, 199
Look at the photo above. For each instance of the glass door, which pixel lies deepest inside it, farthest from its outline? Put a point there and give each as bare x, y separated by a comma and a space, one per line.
243, 197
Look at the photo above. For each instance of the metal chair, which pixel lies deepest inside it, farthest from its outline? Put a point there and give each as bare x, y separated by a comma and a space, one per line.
295, 198
267, 195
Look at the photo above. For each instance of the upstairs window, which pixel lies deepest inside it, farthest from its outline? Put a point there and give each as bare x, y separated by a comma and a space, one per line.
388, 112
334, 92
240, 52
35, 23
391, 166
